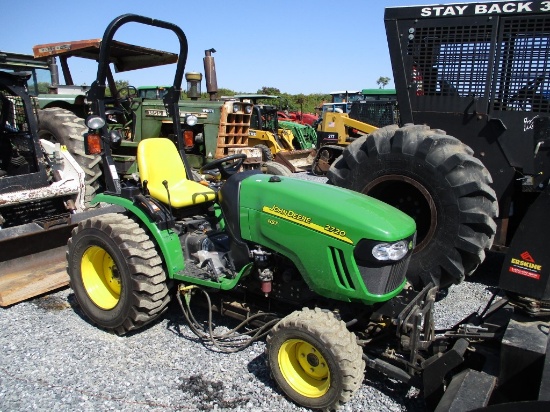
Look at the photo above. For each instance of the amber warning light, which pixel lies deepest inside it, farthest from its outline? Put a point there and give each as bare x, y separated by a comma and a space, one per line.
93, 143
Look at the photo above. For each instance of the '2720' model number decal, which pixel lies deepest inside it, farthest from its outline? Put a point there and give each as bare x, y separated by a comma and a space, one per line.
336, 231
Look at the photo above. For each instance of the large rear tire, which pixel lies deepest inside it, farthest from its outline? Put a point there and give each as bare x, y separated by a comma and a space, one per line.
62, 126
435, 179
116, 273
315, 359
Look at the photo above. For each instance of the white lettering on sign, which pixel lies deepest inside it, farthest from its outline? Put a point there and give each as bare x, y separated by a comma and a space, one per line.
503, 8
443, 11
529, 124
485, 8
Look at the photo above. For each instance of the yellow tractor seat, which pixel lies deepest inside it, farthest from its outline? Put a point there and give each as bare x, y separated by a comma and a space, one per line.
158, 161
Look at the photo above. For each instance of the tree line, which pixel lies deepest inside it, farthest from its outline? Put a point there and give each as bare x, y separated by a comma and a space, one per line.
291, 102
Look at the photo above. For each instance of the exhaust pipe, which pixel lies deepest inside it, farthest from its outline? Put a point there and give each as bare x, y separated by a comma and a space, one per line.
210, 74
54, 72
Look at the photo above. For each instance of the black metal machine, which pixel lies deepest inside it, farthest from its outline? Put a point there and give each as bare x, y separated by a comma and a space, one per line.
478, 72
470, 161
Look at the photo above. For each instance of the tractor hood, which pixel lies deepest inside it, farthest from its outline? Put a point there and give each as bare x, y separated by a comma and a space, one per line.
342, 214
328, 232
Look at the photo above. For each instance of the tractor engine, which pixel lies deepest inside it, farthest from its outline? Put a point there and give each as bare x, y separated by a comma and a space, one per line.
207, 249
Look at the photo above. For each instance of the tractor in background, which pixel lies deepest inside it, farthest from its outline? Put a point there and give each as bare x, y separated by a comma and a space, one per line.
334, 133
288, 143
298, 117
350, 116
213, 128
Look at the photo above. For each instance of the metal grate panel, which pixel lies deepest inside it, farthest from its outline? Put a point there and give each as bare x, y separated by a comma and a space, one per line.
522, 81
378, 113
12, 113
450, 61
384, 279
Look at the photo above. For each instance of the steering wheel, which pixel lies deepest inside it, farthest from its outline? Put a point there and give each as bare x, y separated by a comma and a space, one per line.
127, 93
228, 170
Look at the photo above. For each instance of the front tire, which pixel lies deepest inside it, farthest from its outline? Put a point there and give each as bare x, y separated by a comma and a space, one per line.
314, 359
436, 180
116, 273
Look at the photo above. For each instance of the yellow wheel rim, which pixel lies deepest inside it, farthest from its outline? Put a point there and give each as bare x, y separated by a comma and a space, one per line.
100, 277
304, 368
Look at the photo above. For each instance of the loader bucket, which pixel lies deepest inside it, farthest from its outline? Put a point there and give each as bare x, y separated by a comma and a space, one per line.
296, 160
32, 255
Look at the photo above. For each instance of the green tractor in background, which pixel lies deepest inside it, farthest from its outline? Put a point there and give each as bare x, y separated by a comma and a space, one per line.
152, 92
271, 246
213, 128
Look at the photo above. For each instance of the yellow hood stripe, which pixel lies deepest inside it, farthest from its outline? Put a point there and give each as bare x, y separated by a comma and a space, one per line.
307, 223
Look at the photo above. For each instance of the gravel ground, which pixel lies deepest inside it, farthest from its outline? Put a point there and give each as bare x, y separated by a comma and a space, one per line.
51, 358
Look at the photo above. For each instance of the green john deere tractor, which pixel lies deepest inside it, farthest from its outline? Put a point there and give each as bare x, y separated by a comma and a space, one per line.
268, 244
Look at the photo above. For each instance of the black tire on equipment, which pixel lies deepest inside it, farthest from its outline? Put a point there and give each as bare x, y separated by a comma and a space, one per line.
144, 292
326, 155
274, 168
334, 343
436, 180
267, 156
62, 126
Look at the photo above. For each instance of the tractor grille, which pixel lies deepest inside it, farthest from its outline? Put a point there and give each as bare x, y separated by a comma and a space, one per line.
378, 280
340, 268
384, 279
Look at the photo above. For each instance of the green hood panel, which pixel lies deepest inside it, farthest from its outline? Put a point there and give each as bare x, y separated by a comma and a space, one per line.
318, 227
333, 211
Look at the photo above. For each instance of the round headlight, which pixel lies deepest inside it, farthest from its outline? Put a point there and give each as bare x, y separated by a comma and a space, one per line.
191, 120
390, 251
248, 109
95, 122
236, 108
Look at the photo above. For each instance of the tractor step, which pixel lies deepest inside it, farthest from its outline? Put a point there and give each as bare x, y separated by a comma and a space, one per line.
195, 272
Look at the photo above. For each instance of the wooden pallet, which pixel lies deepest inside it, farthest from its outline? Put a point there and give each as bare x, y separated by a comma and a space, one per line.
31, 276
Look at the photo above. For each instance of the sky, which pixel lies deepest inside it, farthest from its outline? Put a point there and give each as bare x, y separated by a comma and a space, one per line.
299, 46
